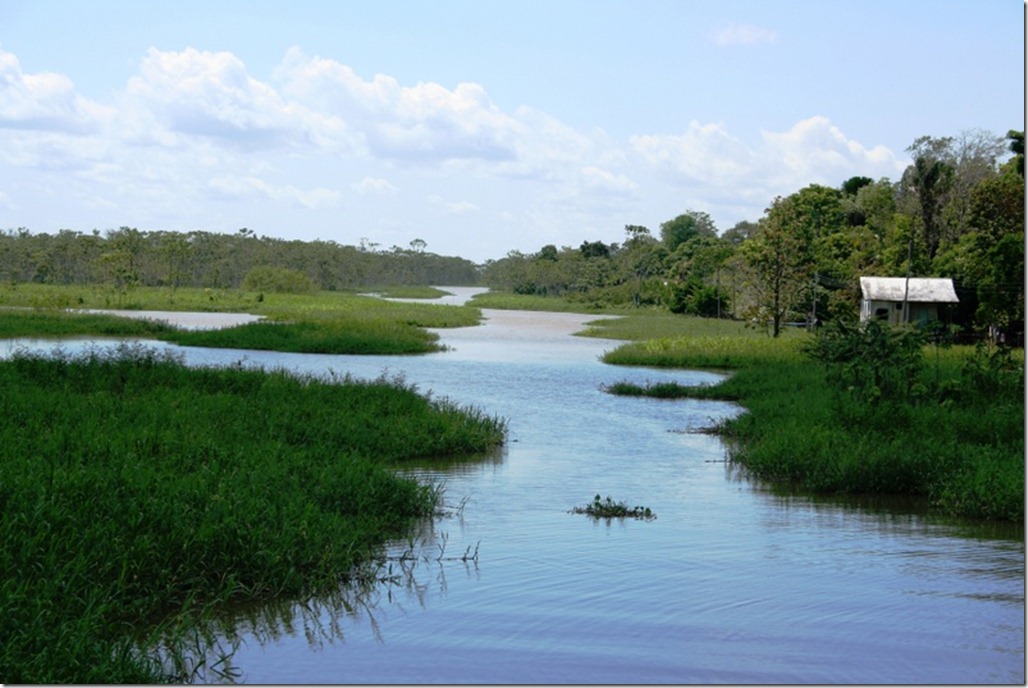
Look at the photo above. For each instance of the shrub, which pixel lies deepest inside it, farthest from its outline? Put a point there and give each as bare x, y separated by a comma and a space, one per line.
278, 280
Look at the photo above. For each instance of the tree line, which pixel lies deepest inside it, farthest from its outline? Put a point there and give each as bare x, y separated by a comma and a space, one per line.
127, 257
957, 211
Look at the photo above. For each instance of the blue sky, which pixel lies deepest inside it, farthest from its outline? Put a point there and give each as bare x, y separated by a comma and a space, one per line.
479, 127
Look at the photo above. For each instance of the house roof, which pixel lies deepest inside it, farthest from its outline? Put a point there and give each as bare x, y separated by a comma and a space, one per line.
922, 289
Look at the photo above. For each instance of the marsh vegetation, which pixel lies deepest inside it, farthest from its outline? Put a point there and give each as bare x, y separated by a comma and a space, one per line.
326, 322
139, 494
859, 411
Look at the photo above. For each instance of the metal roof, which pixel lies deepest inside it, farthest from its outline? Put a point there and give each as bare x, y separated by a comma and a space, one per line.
922, 289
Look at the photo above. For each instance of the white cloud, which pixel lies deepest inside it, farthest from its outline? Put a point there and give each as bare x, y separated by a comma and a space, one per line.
236, 188
371, 186
714, 165
744, 34
45, 101
815, 150
206, 94
452, 207
424, 122
193, 126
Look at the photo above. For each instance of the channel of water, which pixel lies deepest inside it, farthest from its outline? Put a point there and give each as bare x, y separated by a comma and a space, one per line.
733, 582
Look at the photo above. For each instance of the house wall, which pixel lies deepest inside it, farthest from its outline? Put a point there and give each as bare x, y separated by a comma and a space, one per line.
892, 311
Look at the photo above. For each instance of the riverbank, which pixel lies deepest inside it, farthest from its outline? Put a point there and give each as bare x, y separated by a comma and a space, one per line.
327, 322
959, 443
140, 494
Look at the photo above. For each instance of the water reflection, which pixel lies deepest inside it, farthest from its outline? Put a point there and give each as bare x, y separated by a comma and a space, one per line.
734, 582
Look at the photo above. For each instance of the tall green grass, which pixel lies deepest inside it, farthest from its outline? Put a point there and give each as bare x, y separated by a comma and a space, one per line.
528, 302
50, 324
328, 322
961, 448
136, 491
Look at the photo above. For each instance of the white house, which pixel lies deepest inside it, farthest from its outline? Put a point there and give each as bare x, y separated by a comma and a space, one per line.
883, 298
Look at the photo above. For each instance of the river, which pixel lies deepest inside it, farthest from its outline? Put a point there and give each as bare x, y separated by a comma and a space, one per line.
733, 582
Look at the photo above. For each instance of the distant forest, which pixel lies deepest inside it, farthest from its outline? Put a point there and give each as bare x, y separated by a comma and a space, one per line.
128, 257
957, 211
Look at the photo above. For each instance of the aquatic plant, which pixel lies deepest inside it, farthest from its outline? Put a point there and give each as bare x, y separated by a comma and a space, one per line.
139, 494
608, 508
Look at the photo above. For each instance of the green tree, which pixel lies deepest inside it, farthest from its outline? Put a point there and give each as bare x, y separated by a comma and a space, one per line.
267, 278
781, 262
1016, 139
686, 226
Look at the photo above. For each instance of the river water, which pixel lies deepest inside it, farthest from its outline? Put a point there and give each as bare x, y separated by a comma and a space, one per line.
733, 582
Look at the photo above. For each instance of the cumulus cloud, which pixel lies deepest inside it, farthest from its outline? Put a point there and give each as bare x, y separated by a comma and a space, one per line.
192, 125
422, 122
207, 94
721, 167
744, 34
45, 101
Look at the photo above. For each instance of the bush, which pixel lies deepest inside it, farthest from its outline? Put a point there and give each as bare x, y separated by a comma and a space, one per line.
872, 361
278, 281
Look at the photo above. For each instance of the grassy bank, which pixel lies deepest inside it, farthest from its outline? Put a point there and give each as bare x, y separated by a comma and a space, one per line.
136, 491
328, 322
555, 304
956, 440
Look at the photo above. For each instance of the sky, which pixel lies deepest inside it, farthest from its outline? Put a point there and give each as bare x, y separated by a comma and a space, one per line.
478, 127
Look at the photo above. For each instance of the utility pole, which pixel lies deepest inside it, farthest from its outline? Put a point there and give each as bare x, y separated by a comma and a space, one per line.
906, 285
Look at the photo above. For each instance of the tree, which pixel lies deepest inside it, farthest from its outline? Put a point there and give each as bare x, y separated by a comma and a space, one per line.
684, 227
937, 187
780, 260
696, 267
851, 186
740, 232
637, 235
594, 249
277, 280
1016, 139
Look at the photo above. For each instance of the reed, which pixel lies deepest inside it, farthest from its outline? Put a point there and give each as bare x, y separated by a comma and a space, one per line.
138, 494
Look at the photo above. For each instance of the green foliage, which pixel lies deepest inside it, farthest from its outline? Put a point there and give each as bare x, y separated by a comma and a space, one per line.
608, 509
961, 447
135, 489
994, 372
686, 226
127, 258
336, 336
312, 323
49, 324
658, 390
871, 361
268, 278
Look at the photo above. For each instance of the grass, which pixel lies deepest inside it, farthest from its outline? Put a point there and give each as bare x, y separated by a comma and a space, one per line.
138, 494
51, 324
527, 302
961, 449
411, 292
328, 322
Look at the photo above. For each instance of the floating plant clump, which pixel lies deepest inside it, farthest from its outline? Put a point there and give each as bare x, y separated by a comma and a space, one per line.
608, 508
